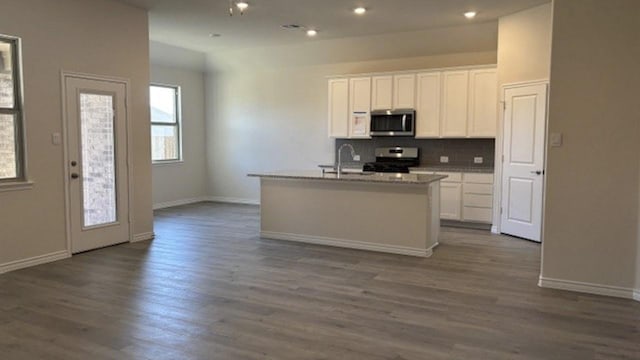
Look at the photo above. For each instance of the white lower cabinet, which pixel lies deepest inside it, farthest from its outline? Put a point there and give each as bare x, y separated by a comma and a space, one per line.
477, 198
465, 196
450, 195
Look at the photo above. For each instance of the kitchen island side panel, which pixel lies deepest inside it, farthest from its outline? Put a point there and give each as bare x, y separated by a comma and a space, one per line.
380, 217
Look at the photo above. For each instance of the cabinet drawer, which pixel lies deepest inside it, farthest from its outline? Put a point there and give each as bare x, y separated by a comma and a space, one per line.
452, 177
475, 200
482, 189
478, 178
477, 214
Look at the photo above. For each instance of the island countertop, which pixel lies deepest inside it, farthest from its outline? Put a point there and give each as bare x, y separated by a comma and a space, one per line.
389, 178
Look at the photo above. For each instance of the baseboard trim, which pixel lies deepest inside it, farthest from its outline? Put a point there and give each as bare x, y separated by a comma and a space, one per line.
351, 244
590, 288
232, 200
494, 229
143, 237
33, 261
168, 204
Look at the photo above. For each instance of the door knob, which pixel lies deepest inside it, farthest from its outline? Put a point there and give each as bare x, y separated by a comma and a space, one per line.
74, 176
537, 172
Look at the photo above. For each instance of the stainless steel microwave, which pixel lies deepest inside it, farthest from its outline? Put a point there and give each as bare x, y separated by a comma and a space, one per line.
393, 122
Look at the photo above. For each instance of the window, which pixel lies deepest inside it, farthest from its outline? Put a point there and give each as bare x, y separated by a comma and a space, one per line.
165, 123
11, 139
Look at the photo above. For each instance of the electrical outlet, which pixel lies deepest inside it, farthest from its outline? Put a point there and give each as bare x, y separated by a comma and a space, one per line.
478, 160
444, 159
356, 157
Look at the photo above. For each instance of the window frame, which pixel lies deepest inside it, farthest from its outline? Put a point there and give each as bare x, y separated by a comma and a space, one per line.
17, 111
177, 124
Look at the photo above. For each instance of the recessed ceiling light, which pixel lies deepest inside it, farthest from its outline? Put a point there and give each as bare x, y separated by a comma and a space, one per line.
242, 5
360, 10
470, 14
312, 32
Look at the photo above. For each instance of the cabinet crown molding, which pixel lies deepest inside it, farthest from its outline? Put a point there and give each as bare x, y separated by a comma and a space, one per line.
416, 71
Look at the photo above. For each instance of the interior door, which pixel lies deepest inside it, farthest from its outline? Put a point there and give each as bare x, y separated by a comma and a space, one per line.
97, 153
523, 165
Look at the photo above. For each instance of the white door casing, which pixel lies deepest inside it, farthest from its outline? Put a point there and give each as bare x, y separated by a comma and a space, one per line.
523, 165
97, 153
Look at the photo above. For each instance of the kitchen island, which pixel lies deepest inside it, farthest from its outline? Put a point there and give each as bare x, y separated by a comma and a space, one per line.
393, 213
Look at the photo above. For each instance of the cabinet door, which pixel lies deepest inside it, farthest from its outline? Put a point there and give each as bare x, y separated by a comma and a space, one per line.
428, 105
338, 108
455, 94
404, 91
483, 103
451, 201
360, 107
382, 92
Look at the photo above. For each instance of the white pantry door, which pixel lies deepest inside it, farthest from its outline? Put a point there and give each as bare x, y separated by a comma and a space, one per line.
97, 148
523, 165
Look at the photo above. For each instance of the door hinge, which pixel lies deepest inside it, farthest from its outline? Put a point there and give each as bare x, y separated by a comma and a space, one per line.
501, 210
504, 105
502, 158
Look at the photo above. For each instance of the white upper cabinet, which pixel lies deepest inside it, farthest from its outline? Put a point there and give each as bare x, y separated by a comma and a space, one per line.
454, 103
428, 105
483, 103
339, 108
381, 92
360, 107
455, 95
404, 91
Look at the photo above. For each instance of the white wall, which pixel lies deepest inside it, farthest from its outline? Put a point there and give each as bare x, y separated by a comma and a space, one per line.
266, 108
184, 181
524, 45
88, 36
591, 215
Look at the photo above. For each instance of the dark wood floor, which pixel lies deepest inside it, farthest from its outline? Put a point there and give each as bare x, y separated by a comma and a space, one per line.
208, 288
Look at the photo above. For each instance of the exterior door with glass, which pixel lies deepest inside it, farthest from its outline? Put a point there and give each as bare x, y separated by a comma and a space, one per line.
97, 171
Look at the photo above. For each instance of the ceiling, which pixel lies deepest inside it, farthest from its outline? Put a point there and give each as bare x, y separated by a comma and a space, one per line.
188, 23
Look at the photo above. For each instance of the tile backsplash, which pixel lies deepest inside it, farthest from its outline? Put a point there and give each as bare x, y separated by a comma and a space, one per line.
461, 152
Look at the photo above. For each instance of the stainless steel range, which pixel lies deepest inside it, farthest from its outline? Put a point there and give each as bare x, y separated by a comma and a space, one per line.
394, 160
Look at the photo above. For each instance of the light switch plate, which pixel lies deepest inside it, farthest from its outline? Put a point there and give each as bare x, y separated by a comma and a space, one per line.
555, 139
56, 138
444, 159
478, 160
356, 157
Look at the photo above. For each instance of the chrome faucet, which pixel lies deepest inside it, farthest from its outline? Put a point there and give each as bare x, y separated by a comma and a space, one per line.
353, 155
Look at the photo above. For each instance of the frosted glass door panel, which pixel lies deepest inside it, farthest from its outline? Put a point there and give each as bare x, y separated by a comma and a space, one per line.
98, 159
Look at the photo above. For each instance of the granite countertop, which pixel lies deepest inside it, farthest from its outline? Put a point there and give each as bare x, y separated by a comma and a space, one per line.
365, 177
445, 168
467, 169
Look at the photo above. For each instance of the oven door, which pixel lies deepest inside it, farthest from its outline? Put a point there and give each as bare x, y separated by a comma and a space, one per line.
393, 123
